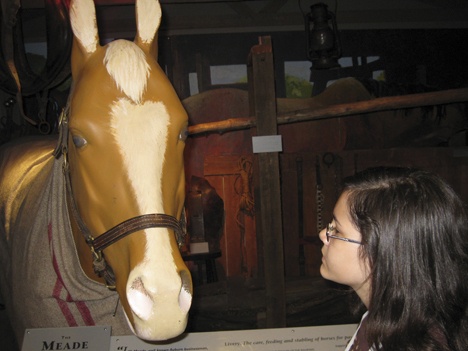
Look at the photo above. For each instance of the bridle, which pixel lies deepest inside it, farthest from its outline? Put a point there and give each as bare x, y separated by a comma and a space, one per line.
98, 243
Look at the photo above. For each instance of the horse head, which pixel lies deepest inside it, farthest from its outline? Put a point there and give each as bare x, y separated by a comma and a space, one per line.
124, 155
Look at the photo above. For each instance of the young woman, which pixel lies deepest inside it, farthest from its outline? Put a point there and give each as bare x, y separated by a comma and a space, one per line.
399, 239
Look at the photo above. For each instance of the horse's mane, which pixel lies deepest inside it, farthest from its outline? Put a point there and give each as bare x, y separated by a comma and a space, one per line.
126, 63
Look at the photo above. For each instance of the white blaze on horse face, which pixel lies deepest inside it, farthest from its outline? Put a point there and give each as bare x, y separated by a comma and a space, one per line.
154, 286
156, 292
140, 128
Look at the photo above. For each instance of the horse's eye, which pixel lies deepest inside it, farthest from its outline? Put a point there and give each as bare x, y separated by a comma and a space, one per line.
183, 134
79, 141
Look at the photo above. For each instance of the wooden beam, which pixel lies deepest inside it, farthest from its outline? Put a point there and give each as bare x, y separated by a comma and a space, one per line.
341, 110
268, 194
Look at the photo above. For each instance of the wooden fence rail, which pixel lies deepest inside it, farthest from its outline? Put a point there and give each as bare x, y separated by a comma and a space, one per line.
340, 110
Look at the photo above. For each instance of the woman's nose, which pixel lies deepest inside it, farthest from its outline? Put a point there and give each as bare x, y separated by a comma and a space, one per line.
323, 236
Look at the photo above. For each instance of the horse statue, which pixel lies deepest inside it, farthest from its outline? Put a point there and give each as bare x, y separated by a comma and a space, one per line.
90, 224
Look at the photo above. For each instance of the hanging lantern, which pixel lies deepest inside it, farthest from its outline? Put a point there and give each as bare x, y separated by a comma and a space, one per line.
323, 43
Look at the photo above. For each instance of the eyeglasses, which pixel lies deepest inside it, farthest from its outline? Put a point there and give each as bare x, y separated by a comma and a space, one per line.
332, 229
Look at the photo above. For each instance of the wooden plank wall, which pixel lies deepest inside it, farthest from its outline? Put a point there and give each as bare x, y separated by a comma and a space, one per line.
228, 175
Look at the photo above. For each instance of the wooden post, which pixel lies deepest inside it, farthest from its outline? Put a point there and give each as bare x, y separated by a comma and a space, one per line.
268, 201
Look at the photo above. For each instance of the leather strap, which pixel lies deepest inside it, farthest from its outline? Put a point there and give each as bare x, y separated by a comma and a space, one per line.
16, 76
154, 220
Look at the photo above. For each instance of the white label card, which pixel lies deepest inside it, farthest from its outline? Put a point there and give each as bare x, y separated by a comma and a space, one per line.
267, 143
324, 338
77, 339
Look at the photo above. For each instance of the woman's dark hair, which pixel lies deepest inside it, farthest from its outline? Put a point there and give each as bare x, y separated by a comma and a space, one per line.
415, 236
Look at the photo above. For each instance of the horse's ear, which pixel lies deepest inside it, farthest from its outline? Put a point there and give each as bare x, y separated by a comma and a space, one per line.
85, 31
148, 19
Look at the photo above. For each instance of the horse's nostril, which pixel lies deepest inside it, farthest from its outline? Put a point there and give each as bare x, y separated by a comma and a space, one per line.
185, 296
139, 300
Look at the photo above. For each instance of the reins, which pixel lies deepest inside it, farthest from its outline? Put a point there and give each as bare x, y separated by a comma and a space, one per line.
99, 243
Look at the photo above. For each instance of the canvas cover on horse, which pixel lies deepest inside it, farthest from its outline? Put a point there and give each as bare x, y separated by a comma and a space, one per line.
53, 291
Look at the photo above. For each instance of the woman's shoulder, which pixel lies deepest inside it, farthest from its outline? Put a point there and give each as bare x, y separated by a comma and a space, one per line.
359, 339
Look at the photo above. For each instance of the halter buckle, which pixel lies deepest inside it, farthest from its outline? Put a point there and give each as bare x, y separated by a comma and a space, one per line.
97, 255
62, 144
